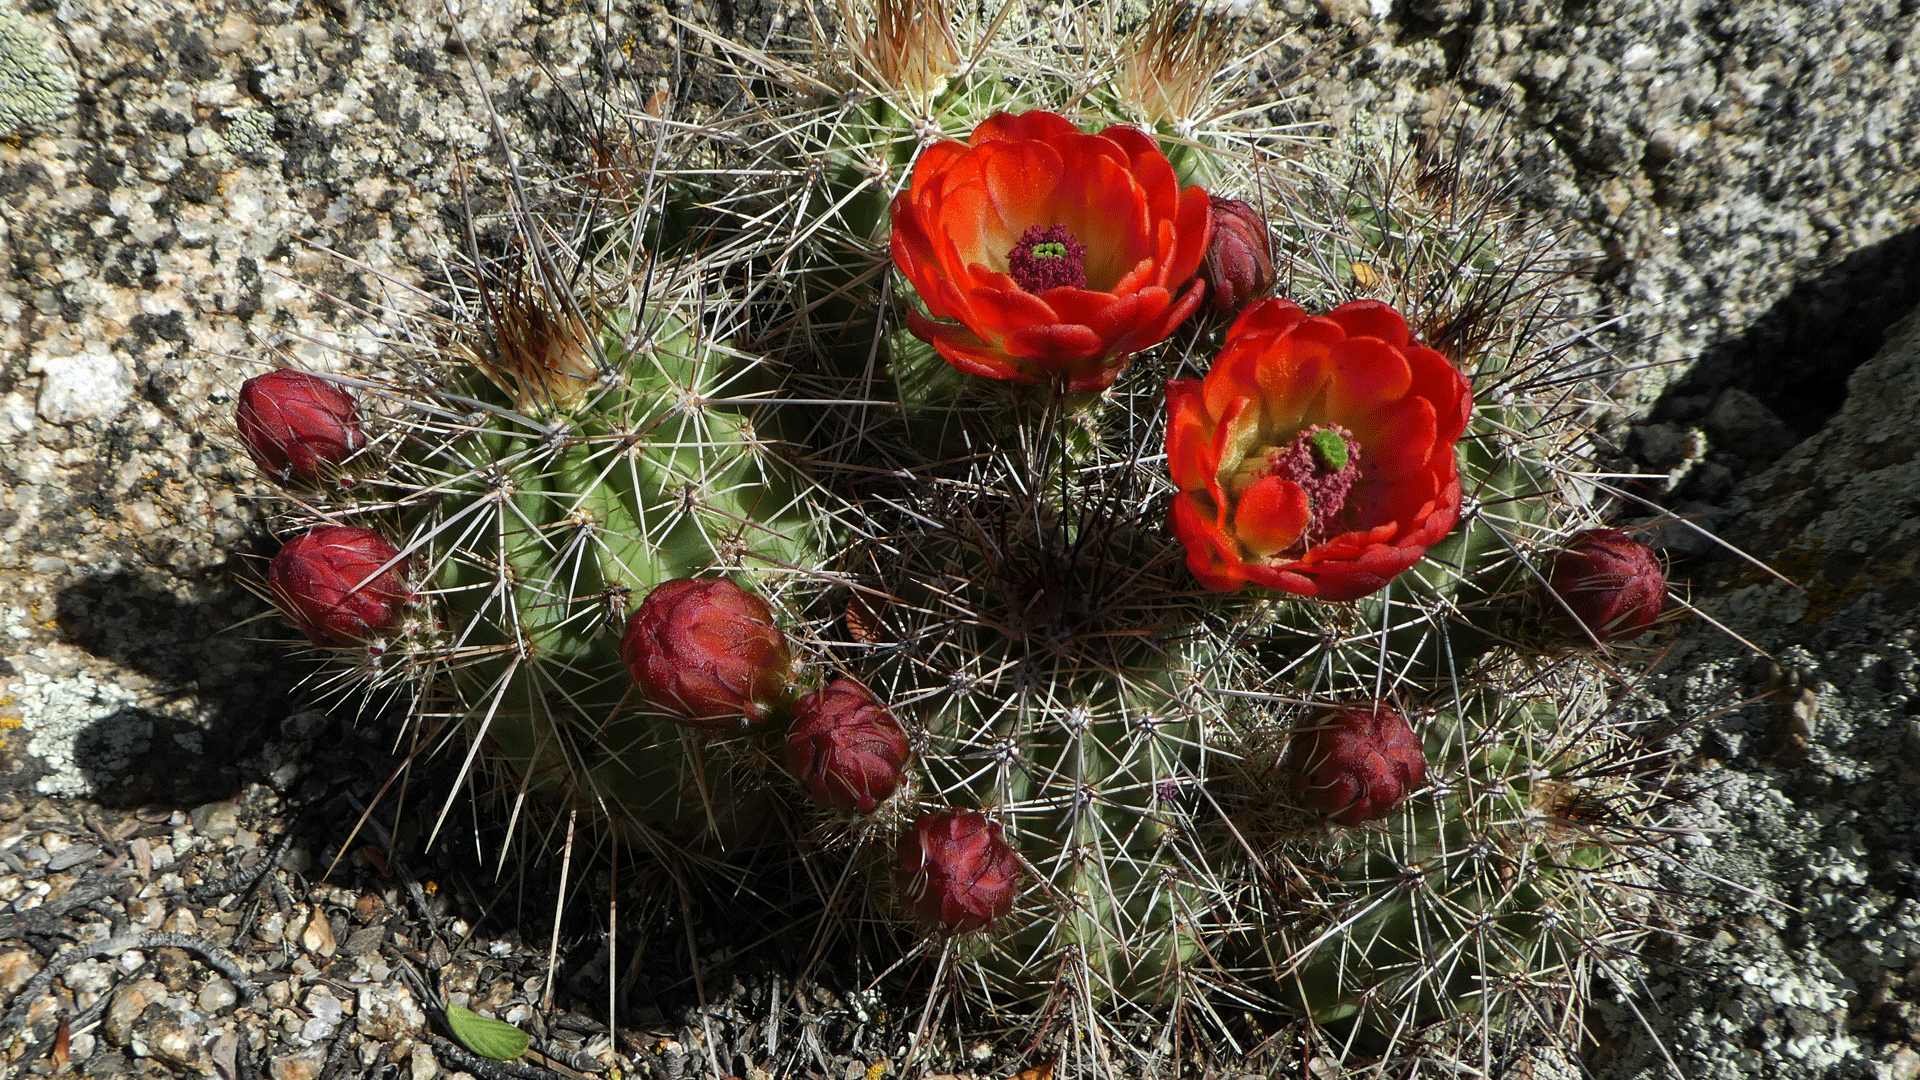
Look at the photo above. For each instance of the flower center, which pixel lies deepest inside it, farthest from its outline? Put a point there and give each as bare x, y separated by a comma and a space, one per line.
1047, 259
1322, 460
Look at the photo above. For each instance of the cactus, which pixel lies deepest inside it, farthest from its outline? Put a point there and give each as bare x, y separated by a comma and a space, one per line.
538, 475
1143, 648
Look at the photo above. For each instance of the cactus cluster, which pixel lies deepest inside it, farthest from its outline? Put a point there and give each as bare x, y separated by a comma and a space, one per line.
1158, 652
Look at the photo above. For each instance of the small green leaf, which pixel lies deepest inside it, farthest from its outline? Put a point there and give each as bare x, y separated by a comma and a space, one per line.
494, 1039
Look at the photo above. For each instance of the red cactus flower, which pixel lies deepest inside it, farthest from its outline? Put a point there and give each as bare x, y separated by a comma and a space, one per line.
954, 869
339, 584
1610, 582
846, 747
1056, 253
707, 653
1239, 262
1358, 763
1316, 457
297, 427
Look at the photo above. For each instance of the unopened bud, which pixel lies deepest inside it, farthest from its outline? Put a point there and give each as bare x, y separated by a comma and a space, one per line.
1239, 260
846, 747
707, 653
954, 869
297, 427
339, 584
1358, 762
1610, 582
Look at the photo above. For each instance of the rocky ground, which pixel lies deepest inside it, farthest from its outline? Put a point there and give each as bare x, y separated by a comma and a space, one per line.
189, 192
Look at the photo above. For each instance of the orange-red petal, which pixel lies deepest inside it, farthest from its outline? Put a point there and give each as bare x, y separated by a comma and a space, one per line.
1271, 515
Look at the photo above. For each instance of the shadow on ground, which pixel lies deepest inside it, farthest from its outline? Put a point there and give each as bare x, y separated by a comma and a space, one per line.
225, 684
1796, 358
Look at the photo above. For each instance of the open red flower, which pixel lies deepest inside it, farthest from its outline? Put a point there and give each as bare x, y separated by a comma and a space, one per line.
1057, 254
1316, 457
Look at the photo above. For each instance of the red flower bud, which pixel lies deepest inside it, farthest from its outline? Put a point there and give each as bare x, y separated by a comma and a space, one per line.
297, 427
1359, 762
707, 652
846, 747
339, 584
956, 870
1610, 582
1239, 262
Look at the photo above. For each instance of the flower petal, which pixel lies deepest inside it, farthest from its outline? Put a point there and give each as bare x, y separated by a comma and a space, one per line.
1019, 179
1049, 345
1273, 315
1152, 329
963, 349
1189, 436
1211, 557
1271, 515
1036, 126
1371, 318
998, 313
1365, 374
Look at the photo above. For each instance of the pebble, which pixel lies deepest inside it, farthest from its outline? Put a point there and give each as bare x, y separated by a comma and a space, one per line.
216, 820
17, 967
129, 1002
217, 994
422, 1065
172, 1035
305, 1066
365, 941
324, 1013
318, 936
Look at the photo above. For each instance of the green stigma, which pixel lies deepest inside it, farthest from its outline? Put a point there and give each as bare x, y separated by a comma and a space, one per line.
1053, 250
1329, 448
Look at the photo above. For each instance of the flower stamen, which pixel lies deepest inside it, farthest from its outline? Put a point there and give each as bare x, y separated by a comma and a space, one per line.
1048, 259
1321, 461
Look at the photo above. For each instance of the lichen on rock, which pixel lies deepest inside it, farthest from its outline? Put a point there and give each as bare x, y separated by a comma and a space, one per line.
35, 90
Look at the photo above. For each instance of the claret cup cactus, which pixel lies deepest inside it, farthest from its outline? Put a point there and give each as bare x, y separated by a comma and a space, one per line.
1142, 646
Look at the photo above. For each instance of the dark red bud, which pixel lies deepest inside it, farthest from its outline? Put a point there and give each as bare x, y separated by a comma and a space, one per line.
1358, 762
1610, 582
338, 584
297, 427
707, 653
846, 747
954, 869
1239, 262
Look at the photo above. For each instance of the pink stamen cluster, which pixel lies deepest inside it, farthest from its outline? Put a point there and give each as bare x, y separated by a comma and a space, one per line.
1048, 259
